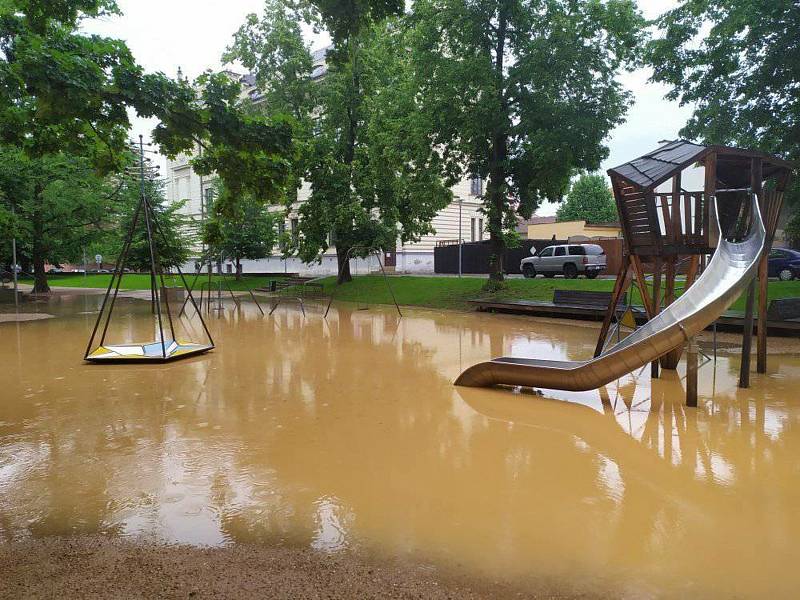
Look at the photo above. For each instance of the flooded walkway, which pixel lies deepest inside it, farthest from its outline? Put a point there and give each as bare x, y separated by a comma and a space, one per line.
347, 435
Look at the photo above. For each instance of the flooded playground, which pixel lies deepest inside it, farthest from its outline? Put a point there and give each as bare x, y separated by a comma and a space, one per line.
346, 435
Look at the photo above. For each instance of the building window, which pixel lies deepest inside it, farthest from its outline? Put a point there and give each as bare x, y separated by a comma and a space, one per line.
208, 200
480, 229
473, 236
294, 224
281, 231
182, 188
476, 186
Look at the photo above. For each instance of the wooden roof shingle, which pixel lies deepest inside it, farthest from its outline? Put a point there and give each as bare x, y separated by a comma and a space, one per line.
657, 166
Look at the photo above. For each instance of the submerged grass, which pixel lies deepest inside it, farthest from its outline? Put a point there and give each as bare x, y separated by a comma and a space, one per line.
450, 293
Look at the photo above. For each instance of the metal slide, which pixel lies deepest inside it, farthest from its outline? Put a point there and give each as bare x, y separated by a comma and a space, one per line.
731, 269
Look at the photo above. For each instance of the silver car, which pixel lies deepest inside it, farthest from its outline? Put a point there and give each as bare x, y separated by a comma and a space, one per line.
569, 260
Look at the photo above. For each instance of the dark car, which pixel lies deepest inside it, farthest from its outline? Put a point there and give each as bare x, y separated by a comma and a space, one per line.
784, 264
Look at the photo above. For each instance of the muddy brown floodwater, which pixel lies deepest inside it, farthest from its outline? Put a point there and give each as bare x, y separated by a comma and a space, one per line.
346, 435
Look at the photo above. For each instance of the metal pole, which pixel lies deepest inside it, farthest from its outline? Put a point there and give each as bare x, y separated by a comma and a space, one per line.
188, 289
150, 243
14, 260
219, 284
460, 236
202, 217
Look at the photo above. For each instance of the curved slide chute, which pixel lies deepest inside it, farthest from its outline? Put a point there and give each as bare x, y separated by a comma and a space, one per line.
728, 274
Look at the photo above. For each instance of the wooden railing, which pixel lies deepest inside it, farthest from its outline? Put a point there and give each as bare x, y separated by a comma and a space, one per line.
683, 219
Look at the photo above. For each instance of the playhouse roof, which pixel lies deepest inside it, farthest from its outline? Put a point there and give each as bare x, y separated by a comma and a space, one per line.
656, 167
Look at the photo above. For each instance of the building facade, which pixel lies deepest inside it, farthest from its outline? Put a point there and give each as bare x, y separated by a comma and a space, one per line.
544, 228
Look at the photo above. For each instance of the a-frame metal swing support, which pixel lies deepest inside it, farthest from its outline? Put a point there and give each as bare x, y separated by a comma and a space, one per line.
368, 251
157, 276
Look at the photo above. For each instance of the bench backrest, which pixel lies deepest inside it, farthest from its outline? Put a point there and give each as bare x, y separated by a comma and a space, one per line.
782, 309
581, 297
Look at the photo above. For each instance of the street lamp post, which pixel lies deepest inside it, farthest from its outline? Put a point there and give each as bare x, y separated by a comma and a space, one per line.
14, 260
460, 237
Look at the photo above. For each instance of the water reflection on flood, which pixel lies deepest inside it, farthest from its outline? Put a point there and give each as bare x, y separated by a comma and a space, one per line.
347, 434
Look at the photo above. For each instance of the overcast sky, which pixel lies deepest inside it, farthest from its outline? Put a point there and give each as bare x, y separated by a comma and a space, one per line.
192, 34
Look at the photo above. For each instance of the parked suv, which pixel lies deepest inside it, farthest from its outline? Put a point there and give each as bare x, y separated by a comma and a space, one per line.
569, 260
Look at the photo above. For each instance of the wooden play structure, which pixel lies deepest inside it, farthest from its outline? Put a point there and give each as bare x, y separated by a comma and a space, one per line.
720, 236
668, 229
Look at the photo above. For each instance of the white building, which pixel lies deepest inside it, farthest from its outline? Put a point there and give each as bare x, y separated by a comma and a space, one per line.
416, 257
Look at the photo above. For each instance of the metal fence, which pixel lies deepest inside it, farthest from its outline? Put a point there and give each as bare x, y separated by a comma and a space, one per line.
475, 256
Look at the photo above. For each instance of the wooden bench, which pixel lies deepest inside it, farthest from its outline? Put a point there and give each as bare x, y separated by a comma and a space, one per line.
582, 298
783, 309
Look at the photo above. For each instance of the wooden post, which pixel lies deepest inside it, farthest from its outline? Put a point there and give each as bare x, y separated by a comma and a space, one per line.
638, 271
763, 299
747, 337
620, 286
656, 308
710, 191
670, 360
677, 234
756, 184
691, 373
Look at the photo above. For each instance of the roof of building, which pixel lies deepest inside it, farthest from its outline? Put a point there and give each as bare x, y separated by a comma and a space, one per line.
605, 224
541, 220
549, 220
653, 168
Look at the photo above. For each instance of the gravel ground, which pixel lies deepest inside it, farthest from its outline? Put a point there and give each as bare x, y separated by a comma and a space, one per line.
99, 567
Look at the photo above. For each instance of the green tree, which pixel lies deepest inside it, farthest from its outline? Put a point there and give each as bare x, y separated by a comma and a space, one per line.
60, 207
793, 230
522, 94
173, 236
738, 63
373, 174
8, 230
64, 92
347, 18
590, 200
272, 49
248, 234
375, 177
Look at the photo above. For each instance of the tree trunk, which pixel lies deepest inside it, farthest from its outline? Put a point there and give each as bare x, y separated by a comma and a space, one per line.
351, 130
343, 265
24, 262
238, 269
496, 188
496, 209
40, 285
